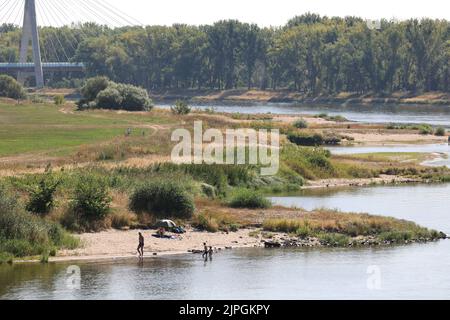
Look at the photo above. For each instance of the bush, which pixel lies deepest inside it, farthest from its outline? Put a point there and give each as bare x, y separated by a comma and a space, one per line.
109, 98
245, 198
93, 87
283, 225
10, 88
206, 223
134, 98
181, 108
122, 219
334, 239
331, 140
440, 132
213, 222
209, 190
6, 257
310, 163
42, 196
91, 202
163, 199
23, 234
219, 176
59, 99
101, 93
425, 129
303, 139
301, 124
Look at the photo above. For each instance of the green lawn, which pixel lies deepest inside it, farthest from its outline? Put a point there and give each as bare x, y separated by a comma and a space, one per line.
43, 128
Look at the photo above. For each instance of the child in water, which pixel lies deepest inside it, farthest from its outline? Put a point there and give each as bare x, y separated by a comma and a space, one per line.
210, 253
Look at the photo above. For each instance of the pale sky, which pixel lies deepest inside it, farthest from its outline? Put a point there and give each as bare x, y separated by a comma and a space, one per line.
275, 12
262, 12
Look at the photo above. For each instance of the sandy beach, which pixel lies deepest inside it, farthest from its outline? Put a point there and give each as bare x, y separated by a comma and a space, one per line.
116, 244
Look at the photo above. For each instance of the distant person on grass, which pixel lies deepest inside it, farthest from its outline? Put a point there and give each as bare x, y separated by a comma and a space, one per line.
140, 248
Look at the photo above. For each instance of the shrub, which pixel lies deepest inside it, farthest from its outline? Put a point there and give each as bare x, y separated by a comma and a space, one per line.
163, 199
337, 118
396, 236
213, 222
301, 124
42, 196
10, 88
219, 176
91, 202
181, 108
206, 223
209, 190
332, 140
109, 98
425, 129
99, 92
440, 132
6, 257
93, 87
310, 163
59, 99
283, 225
334, 239
245, 198
23, 234
303, 139
122, 219
134, 98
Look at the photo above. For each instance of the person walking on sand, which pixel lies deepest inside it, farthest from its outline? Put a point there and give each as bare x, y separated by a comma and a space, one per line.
140, 247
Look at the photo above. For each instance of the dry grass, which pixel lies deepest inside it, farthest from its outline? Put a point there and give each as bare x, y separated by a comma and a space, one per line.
350, 224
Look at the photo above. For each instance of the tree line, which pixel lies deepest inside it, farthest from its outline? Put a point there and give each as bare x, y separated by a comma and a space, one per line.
310, 54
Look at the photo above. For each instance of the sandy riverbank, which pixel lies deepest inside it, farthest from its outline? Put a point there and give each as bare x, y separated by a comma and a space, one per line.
254, 95
342, 182
116, 244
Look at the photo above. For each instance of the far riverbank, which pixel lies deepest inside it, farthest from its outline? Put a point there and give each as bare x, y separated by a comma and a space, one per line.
287, 96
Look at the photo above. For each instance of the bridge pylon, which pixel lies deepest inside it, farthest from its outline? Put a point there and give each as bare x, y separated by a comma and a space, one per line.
30, 33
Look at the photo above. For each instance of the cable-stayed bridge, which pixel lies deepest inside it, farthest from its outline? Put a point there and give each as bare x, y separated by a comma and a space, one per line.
32, 15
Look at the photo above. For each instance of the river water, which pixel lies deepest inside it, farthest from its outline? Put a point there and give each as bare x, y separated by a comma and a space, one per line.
433, 115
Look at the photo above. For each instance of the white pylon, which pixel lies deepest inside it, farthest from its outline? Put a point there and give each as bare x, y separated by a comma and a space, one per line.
30, 32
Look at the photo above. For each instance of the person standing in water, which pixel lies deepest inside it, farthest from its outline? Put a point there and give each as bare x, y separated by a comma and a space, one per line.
205, 251
140, 247
210, 253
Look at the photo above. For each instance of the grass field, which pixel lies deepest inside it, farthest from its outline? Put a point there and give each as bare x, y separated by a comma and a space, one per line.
49, 129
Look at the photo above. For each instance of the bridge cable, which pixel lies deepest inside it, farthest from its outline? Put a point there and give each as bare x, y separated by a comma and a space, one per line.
44, 20
55, 33
62, 13
121, 13
10, 11
3, 5
19, 14
104, 11
60, 29
93, 12
68, 4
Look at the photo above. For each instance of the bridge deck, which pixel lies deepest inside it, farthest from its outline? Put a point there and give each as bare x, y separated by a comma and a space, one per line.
47, 66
